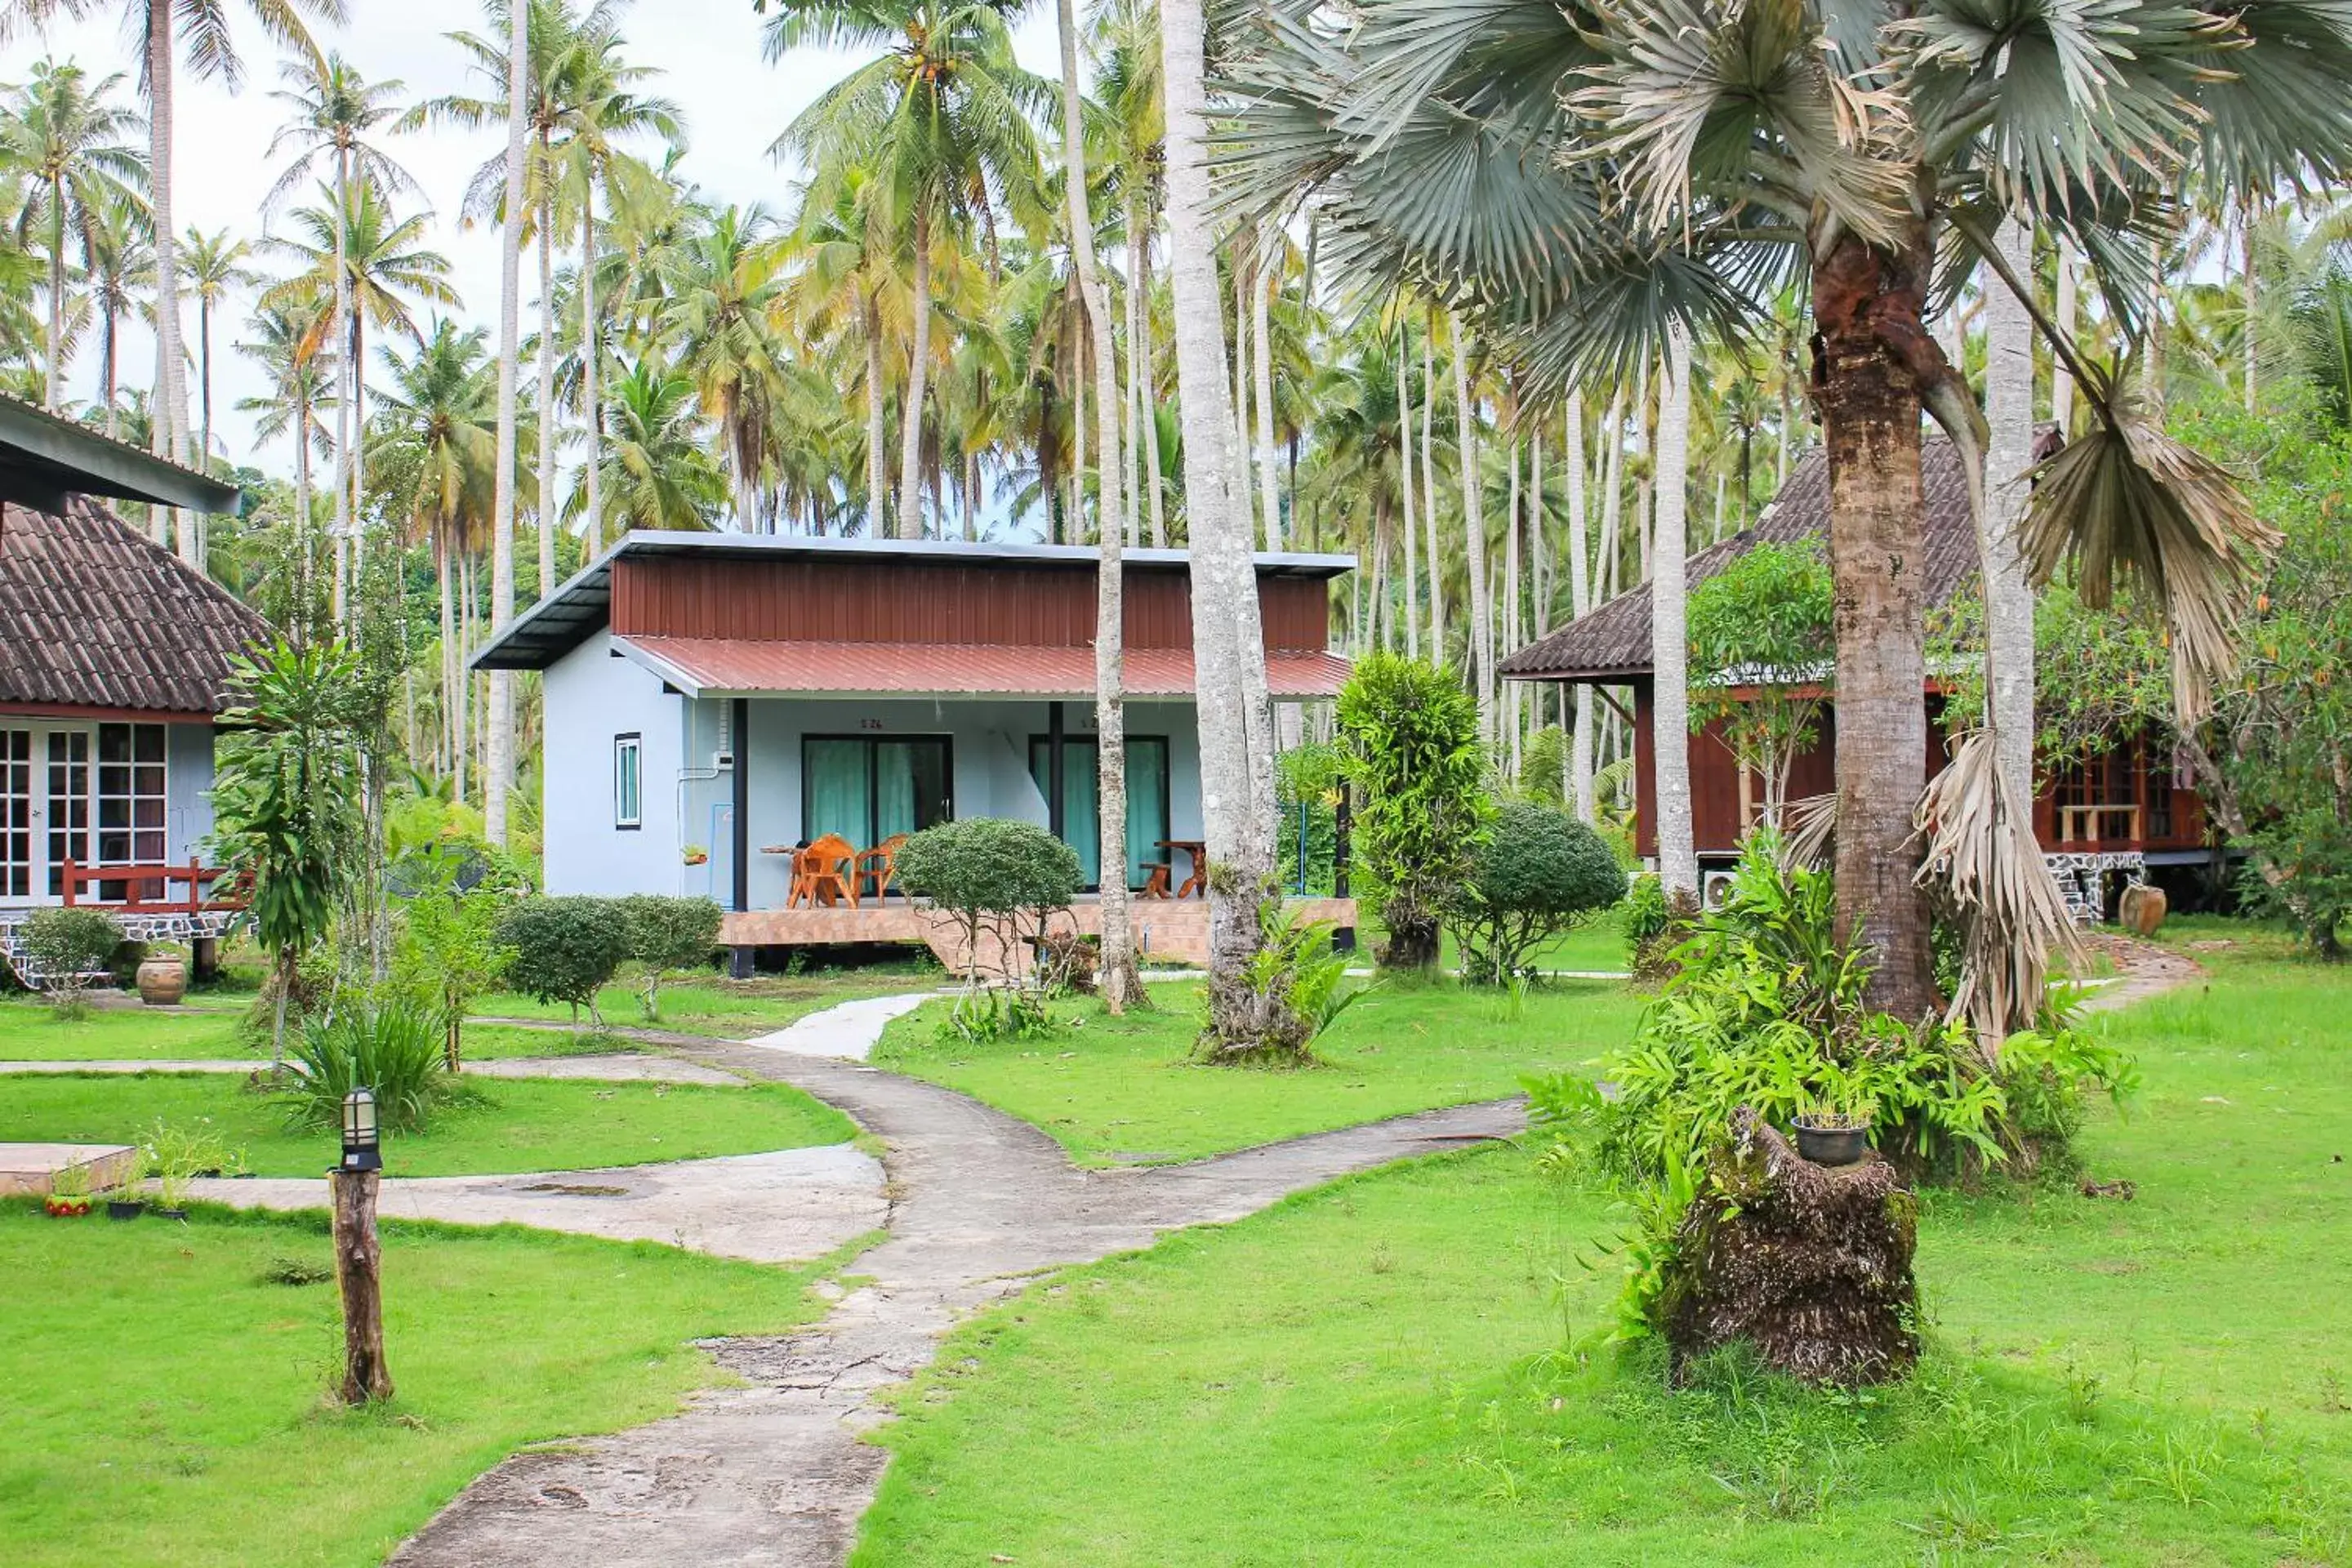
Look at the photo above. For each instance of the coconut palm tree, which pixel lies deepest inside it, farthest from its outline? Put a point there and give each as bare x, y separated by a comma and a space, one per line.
658, 471
120, 266
726, 295
70, 139
202, 27
296, 354
942, 119
842, 270
216, 263
332, 110
1577, 184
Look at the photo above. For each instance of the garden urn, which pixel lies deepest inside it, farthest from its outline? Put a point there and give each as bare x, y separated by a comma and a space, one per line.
163, 981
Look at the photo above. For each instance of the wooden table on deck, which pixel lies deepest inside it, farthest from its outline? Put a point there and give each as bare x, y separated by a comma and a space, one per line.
1198, 882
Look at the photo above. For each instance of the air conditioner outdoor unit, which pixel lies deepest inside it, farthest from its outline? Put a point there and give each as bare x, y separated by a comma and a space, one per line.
1713, 887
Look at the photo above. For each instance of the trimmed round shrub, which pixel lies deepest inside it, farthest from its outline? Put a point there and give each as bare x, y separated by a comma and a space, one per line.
1540, 874
667, 933
993, 873
566, 948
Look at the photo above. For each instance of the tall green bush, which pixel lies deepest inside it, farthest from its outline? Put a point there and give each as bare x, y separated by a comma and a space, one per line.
1411, 737
1000, 878
449, 952
1540, 874
566, 948
391, 1050
69, 947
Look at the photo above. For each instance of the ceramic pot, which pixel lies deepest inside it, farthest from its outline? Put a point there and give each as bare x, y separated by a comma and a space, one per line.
1832, 1145
163, 981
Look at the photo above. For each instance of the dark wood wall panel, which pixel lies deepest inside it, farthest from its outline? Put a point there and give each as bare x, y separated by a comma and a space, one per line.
933, 602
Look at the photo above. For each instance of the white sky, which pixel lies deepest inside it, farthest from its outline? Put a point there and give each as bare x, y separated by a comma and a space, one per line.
710, 53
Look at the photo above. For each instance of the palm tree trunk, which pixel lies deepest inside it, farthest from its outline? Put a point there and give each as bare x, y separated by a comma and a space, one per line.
1136, 408
1221, 574
592, 367
442, 567
1143, 352
878, 441
546, 393
1481, 651
55, 399
1119, 984
204, 376
346, 399
171, 409
498, 768
359, 450
1510, 636
1669, 634
107, 341
910, 442
1436, 557
1244, 490
1613, 498
302, 510
2008, 602
2247, 287
1579, 602
1261, 362
1869, 408
1404, 468
2061, 380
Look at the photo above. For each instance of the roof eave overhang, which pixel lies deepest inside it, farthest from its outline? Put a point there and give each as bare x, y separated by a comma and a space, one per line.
1615, 675
44, 460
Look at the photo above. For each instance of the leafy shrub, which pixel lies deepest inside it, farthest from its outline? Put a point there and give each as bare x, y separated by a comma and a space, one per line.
667, 934
1543, 767
391, 1050
1655, 926
1411, 734
70, 946
998, 877
1767, 1011
982, 1016
177, 1155
1542, 873
566, 948
1296, 982
448, 951
1307, 780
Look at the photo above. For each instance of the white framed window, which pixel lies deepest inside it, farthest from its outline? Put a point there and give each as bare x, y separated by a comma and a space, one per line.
628, 781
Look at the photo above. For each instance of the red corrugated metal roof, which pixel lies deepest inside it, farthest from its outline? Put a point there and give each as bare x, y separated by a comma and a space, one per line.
746, 667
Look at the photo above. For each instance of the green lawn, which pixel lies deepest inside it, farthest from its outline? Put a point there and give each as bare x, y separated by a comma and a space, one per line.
1376, 1373
31, 1031
726, 1009
165, 1403
1124, 1090
507, 1124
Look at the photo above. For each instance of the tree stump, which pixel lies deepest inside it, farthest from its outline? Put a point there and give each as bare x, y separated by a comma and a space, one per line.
1809, 1264
358, 1276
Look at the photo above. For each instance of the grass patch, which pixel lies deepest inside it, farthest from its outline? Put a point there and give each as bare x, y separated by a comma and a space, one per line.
166, 1402
1375, 1372
30, 1031
502, 1125
1125, 1090
724, 1009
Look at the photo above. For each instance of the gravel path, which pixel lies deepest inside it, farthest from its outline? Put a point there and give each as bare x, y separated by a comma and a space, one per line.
773, 1473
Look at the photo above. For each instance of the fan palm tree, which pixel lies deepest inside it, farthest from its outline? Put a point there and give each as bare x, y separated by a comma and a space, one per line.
942, 119
334, 108
1579, 183
68, 137
216, 263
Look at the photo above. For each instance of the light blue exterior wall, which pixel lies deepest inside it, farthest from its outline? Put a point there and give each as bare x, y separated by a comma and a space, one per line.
188, 783
592, 696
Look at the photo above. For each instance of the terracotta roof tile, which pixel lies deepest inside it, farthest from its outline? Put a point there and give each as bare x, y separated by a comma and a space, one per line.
1614, 639
758, 666
92, 615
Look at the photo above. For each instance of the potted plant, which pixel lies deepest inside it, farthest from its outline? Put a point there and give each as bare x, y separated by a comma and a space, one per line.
696, 855
69, 1194
178, 1155
1834, 1130
127, 1198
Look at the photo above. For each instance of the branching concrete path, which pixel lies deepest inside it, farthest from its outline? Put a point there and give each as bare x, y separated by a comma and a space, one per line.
773, 1473
615, 1066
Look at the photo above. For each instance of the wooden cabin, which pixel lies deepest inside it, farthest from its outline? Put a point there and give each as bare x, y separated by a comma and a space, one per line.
718, 703
2124, 808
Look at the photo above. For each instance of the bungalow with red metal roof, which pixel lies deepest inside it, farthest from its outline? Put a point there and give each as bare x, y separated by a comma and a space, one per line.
715, 702
2123, 808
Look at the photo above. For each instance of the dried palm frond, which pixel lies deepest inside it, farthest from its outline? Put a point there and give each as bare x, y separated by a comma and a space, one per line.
1807, 830
1982, 866
2126, 498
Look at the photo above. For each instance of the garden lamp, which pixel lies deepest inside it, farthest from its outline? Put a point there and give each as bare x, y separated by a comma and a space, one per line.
360, 1152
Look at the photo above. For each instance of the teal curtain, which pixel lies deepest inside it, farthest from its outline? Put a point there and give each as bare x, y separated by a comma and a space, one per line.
1146, 805
895, 764
836, 798
1147, 802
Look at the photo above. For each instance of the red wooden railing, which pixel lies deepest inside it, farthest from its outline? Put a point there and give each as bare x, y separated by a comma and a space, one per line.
138, 879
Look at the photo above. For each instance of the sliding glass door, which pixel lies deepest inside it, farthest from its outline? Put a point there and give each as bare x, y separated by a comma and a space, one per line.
869, 788
1147, 800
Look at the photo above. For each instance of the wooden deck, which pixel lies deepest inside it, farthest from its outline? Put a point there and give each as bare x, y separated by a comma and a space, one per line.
1171, 931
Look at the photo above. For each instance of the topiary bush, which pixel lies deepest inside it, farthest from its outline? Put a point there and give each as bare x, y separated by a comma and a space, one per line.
1540, 874
1000, 878
70, 947
667, 933
566, 948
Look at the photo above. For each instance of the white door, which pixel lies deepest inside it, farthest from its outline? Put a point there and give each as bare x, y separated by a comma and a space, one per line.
65, 803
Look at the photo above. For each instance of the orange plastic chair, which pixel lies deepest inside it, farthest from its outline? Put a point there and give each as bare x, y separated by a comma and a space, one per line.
879, 865
825, 872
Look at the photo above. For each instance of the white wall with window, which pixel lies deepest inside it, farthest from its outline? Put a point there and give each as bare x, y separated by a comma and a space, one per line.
96, 792
593, 699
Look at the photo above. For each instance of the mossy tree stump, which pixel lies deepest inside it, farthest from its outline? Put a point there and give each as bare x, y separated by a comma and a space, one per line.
1809, 1264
